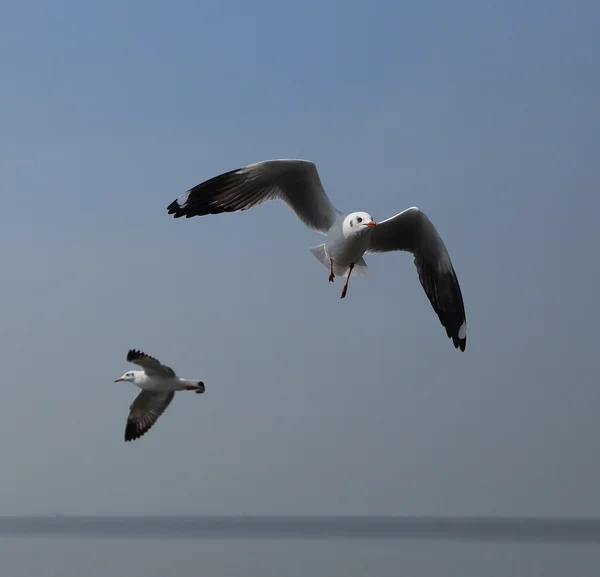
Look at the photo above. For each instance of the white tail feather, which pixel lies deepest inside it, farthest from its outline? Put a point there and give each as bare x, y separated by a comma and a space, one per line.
320, 255
361, 268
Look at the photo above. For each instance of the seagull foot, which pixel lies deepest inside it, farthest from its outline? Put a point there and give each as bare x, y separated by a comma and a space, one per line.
344, 291
331, 277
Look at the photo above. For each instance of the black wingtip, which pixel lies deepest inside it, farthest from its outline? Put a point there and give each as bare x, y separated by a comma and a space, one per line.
460, 343
201, 388
454, 333
454, 317
131, 433
175, 210
454, 328
133, 354
445, 296
205, 198
135, 431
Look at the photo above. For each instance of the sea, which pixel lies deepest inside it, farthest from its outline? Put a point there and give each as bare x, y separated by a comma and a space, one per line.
62, 546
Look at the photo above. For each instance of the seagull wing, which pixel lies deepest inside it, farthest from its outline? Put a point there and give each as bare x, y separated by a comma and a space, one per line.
151, 366
295, 182
412, 231
144, 412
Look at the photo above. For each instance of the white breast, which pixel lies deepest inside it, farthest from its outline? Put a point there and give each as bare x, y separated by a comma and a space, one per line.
347, 251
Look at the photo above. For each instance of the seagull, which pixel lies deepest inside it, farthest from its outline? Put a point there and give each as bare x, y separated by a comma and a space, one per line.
158, 383
348, 236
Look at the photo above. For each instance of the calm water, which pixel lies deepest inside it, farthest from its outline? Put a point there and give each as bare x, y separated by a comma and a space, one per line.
217, 547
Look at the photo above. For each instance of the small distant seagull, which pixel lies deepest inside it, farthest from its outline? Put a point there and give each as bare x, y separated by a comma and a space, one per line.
158, 383
348, 235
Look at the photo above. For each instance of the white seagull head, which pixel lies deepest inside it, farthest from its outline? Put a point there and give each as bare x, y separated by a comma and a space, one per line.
128, 377
357, 223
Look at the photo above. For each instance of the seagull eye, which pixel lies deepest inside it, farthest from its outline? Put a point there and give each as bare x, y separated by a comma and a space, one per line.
359, 219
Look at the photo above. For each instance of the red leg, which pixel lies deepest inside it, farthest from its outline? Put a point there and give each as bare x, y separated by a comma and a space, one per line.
331, 275
345, 289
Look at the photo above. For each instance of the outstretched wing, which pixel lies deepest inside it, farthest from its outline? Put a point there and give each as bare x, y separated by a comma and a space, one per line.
151, 366
295, 182
144, 412
412, 231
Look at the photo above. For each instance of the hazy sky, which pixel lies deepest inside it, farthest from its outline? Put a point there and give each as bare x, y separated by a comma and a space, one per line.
483, 114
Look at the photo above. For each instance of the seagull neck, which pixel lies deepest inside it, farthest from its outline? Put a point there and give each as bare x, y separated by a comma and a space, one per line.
140, 377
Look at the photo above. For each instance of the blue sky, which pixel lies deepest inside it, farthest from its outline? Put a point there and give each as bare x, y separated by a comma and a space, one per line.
485, 115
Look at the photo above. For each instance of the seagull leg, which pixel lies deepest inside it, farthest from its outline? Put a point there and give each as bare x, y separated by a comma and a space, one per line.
331, 275
345, 289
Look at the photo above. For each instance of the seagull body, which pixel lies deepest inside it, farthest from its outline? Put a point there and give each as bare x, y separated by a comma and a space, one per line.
348, 236
159, 384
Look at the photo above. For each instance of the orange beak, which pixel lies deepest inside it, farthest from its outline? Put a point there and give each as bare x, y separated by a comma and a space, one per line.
371, 224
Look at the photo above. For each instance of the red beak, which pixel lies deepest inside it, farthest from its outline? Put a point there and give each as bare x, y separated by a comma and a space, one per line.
371, 224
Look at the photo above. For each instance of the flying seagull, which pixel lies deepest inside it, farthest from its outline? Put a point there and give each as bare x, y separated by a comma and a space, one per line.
158, 383
348, 236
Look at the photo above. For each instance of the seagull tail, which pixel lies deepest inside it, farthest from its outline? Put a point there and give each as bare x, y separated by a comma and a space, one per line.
319, 252
196, 386
360, 268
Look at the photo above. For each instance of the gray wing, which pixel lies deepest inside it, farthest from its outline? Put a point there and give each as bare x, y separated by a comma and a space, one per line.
150, 365
295, 182
412, 231
144, 412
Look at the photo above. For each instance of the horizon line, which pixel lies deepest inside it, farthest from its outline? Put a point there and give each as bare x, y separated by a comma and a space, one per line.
397, 516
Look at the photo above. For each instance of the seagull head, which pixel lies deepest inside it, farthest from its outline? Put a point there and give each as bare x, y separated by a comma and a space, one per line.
358, 223
129, 377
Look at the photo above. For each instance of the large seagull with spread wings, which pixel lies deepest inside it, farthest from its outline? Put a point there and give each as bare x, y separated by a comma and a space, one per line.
348, 236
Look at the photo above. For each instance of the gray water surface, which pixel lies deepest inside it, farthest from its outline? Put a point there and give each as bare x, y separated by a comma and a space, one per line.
290, 547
